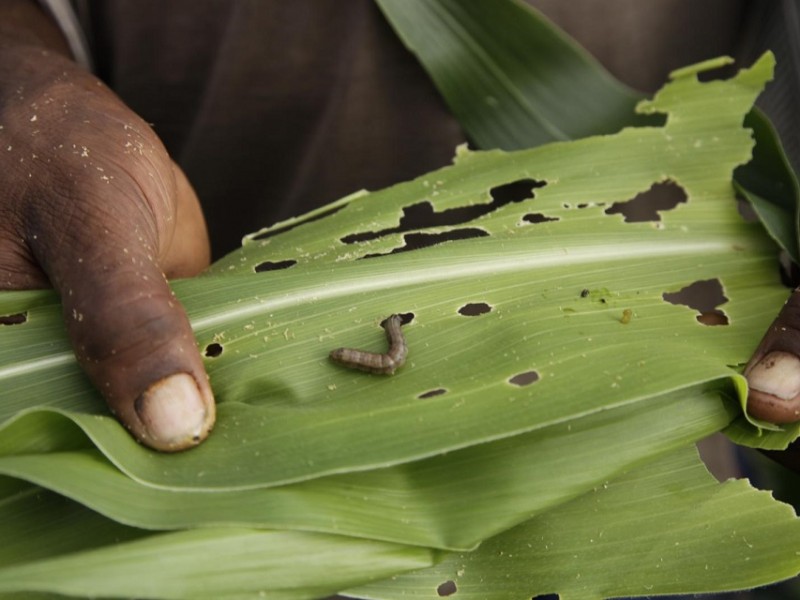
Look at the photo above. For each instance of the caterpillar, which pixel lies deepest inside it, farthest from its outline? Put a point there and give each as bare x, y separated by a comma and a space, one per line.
373, 362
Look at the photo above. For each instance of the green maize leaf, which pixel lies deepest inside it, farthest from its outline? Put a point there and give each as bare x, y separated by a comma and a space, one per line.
53, 545
288, 414
419, 503
505, 72
635, 536
770, 186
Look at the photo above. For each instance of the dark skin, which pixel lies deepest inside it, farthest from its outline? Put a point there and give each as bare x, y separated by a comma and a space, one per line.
93, 206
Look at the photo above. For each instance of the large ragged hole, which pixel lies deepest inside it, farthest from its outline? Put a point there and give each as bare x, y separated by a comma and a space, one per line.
703, 296
415, 241
647, 205
422, 214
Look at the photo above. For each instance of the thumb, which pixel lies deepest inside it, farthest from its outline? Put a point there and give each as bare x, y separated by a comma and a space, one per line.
773, 373
91, 202
129, 332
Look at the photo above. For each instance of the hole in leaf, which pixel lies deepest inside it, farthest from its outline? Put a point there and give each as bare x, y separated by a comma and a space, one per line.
714, 317
526, 378
432, 393
15, 319
406, 318
473, 309
422, 215
646, 206
546, 597
717, 73
516, 191
448, 588
582, 205
290, 226
274, 266
704, 297
536, 218
213, 350
415, 241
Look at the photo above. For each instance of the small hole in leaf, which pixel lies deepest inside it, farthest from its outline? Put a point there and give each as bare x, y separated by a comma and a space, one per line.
213, 350
448, 588
646, 206
406, 318
714, 317
473, 309
274, 266
526, 378
703, 296
415, 241
546, 597
537, 218
584, 293
15, 319
432, 393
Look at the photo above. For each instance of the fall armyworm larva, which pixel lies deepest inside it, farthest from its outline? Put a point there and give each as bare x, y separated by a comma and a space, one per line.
373, 362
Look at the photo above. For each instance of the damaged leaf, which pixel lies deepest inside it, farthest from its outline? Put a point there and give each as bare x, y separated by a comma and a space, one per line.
524, 391
641, 520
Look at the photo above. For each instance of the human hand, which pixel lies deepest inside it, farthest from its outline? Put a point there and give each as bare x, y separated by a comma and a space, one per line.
92, 204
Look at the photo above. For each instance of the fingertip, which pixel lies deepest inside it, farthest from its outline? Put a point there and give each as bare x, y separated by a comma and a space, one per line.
774, 388
135, 342
173, 414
